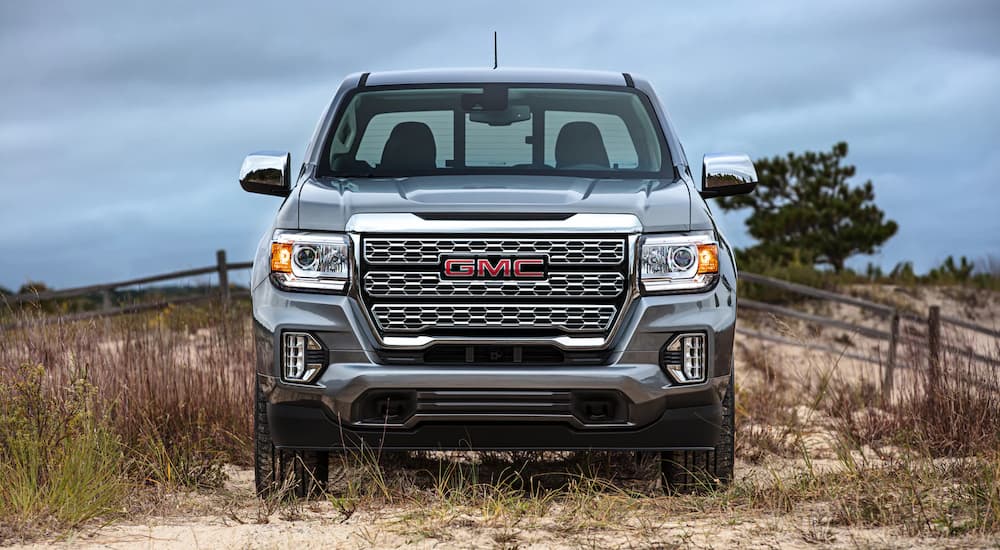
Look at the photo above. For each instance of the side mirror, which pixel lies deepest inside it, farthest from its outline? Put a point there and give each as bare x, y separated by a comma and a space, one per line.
267, 173
727, 174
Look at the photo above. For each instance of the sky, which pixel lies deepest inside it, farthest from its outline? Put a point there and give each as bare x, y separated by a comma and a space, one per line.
123, 124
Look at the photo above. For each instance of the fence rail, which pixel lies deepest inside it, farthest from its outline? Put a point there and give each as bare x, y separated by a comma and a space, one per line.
812, 318
757, 335
221, 268
123, 310
881, 309
812, 292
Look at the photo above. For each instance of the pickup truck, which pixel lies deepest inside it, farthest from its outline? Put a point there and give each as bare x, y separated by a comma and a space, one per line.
503, 259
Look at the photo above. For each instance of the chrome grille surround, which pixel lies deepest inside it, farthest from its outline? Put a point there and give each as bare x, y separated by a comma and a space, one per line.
388, 284
559, 251
565, 317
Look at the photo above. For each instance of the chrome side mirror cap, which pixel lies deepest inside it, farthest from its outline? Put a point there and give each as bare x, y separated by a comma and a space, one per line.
267, 173
724, 174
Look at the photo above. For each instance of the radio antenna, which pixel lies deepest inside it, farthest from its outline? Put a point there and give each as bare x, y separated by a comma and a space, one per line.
495, 57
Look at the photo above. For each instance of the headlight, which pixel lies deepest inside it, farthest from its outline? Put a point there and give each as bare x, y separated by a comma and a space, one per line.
310, 261
679, 263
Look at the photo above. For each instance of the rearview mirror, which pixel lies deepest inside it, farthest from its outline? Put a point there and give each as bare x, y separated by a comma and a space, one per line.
727, 174
506, 117
267, 173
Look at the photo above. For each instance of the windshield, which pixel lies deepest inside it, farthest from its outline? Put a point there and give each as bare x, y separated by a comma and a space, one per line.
495, 129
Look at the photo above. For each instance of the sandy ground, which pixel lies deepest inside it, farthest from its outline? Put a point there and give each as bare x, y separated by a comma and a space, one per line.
236, 520
233, 518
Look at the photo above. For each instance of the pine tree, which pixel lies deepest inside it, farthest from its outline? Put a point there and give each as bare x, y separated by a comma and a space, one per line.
805, 209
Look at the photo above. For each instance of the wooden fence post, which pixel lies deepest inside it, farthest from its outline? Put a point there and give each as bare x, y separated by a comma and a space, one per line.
934, 341
220, 259
106, 299
890, 367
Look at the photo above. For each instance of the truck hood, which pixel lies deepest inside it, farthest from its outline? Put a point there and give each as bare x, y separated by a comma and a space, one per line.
328, 203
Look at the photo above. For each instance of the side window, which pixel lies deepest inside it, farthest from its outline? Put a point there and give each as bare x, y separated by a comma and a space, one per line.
344, 136
380, 126
617, 141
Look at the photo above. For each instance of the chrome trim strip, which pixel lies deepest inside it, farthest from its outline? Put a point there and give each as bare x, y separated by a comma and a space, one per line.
423, 342
509, 316
409, 251
411, 223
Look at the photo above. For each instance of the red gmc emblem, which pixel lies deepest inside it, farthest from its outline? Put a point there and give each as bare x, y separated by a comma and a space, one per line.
494, 268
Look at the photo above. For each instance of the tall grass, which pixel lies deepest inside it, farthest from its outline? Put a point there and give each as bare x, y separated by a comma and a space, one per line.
952, 410
926, 461
92, 407
183, 375
59, 461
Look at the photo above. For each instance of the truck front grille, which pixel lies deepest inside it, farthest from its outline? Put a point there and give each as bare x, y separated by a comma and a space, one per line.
406, 292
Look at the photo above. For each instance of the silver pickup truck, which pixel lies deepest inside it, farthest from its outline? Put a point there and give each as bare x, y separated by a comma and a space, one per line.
494, 260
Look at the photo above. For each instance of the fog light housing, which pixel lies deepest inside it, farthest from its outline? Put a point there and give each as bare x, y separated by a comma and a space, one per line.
302, 357
684, 358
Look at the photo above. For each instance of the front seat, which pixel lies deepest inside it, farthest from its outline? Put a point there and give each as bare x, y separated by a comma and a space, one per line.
579, 143
410, 147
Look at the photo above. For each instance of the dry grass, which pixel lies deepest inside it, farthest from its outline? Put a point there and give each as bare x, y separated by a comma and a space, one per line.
953, 411
767, 420
130, 406
180, 376
92, 407
60, 464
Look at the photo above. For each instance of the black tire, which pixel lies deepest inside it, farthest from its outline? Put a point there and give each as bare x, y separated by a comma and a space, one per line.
688, 471
279, 472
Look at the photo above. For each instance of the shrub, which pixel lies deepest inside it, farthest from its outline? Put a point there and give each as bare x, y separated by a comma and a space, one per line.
59, 460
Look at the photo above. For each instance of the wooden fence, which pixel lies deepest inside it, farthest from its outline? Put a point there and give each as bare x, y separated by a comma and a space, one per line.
106, 290
890, 316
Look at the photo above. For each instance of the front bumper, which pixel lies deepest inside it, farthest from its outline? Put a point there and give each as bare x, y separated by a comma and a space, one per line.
498, 407
307, 425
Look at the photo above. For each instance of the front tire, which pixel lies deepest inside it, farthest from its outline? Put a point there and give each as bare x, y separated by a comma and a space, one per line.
688, 471
280, 472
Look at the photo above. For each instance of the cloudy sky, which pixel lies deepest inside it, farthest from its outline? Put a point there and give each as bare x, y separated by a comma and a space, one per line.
123, 125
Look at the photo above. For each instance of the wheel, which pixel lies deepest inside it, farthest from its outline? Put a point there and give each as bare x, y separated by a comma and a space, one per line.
279, 472
687, 471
